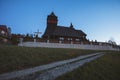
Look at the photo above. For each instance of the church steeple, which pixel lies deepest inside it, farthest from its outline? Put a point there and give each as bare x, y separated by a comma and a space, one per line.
52, 19
51, 25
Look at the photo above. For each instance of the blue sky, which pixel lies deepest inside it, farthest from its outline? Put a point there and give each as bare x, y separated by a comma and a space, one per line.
99, 19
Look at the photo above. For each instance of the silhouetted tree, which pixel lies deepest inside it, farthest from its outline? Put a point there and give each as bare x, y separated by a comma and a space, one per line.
111, 41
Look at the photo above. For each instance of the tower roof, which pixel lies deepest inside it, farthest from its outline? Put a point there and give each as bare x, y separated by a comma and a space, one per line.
52, 14
71, 25
52, 17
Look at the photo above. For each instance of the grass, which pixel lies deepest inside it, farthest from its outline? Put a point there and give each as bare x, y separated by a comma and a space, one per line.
16, 58
104, 68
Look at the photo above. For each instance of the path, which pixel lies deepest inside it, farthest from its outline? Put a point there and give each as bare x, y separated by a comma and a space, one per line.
58, 71
25, 72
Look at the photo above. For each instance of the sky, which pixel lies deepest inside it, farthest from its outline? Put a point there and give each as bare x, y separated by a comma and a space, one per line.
99, 19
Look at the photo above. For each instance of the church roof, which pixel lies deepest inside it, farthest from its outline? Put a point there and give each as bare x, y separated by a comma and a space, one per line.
65, 31
68, 31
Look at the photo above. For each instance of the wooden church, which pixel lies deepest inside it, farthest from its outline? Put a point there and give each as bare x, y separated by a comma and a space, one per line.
62, 34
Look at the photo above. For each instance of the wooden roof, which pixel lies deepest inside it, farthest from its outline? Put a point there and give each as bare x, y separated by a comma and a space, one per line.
65, 31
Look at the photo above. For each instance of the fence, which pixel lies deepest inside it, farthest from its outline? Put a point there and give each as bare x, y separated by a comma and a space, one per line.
60, 45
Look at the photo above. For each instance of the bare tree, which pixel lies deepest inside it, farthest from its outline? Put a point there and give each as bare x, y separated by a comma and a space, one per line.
112, 41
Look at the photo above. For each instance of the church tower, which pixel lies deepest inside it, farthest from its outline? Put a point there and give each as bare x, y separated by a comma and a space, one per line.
51, 25
52, 20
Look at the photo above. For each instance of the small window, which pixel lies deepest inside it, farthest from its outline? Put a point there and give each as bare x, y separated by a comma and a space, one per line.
69, 39
61, 38
83, 36
77, 39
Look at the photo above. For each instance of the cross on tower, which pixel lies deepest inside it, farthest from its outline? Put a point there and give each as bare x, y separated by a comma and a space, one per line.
37, 33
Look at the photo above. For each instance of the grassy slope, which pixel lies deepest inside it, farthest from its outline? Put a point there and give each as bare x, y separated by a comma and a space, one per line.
104, 68
16, 58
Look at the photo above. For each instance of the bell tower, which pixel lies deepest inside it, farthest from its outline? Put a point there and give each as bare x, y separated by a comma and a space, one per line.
52, 20
51, 25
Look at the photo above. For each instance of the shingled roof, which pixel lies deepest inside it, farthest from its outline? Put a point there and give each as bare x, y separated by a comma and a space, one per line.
67, 31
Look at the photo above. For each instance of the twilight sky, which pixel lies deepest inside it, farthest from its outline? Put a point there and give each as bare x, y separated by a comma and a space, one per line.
99, 19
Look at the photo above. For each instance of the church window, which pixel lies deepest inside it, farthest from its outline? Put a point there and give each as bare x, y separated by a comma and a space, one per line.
83, 36
61, 38
69, 39
77, 39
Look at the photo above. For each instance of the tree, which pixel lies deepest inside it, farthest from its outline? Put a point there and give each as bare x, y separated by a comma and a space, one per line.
111, 41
